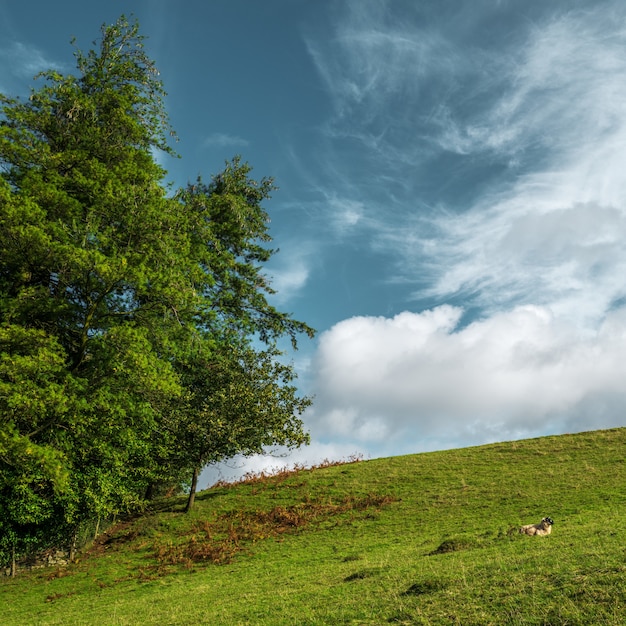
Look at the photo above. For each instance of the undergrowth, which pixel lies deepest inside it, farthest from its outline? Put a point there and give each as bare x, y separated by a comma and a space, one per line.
218, 541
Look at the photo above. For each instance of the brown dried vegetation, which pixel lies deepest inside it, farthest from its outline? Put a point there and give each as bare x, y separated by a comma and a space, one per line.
218, 541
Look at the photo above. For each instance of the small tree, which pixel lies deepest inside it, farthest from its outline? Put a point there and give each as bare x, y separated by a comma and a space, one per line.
238, 401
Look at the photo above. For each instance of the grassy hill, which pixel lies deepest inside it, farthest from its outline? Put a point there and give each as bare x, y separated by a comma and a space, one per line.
421, 539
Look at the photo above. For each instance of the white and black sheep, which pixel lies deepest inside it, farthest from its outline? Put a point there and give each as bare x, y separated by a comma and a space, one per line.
544, 527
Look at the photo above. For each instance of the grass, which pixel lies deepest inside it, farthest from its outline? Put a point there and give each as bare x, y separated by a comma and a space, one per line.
421, 539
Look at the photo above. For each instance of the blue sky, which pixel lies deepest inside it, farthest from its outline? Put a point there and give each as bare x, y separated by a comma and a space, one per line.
451, 212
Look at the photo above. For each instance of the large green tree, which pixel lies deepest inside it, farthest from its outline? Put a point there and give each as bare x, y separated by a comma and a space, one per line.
131, 312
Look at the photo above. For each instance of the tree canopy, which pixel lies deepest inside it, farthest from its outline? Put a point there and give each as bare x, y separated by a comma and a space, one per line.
137, 343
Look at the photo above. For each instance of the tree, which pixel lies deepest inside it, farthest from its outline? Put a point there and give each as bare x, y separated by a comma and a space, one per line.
119, 298
33, 391
238, 400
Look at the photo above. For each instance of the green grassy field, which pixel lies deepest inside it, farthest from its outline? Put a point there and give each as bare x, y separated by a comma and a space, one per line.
421, 539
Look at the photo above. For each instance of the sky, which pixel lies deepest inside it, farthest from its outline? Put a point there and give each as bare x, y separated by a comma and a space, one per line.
451, 211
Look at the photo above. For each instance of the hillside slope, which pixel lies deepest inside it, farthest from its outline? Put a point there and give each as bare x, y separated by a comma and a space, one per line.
422, 539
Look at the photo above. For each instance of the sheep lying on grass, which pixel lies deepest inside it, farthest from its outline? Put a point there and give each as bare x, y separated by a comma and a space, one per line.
544, 527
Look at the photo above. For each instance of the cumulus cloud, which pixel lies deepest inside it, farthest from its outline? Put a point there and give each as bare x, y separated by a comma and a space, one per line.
425, 377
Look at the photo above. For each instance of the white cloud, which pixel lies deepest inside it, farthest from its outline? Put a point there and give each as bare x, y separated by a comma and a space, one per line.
421, 377
567, 255
25, 60
553, 110
288, 280
533, 131
290, 269
224, 140
315, 454
19, 63
346, 213
559, 91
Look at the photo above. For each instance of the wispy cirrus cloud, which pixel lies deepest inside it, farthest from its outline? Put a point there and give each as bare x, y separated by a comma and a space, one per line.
503, 162
224, 140
290, 269
20, 62
552, 235
376, 57
493, 174
26, 60
289, 279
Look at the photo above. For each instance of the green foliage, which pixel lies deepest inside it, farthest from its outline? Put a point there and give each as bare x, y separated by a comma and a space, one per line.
35, 392
422, 539
238, 402
127, 310
227, 230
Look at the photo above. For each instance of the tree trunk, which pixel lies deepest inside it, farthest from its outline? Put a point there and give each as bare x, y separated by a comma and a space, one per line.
192, 491
13, 562
72, 555
149, 495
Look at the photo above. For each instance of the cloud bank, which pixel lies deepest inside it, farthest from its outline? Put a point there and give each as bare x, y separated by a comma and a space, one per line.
491, 169
423, 376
